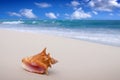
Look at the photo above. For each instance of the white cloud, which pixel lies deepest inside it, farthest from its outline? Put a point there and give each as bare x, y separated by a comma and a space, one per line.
92, 3
23, 12
27, 13
14, 14
80, 14
114, 3
104, 5
43, 5
95, 12
51, 15
75, 3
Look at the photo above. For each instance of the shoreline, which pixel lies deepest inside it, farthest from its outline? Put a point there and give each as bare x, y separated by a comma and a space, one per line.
98, 31
77, 59
53, 35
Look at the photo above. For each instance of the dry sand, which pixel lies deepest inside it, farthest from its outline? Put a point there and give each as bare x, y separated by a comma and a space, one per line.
78, 60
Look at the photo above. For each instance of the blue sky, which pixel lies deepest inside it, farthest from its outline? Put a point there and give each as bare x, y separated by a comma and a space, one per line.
60, 9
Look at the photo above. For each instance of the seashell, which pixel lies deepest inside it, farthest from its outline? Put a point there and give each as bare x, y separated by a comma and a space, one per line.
38, 63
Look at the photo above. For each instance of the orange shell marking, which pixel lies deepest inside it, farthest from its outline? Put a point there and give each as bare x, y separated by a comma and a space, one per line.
38, 63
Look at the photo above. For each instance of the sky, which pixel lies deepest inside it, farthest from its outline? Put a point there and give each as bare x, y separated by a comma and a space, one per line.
60, 9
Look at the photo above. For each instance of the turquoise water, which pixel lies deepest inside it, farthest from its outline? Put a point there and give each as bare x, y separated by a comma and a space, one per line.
100, 31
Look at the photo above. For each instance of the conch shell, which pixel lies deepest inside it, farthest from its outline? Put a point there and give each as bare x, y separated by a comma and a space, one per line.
38, 63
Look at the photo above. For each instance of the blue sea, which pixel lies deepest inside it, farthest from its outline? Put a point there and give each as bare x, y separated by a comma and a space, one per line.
100, 31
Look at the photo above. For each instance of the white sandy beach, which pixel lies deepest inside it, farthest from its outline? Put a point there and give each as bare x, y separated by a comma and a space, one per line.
78, 60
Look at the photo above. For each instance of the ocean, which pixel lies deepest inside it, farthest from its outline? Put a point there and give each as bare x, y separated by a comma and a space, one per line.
100, 31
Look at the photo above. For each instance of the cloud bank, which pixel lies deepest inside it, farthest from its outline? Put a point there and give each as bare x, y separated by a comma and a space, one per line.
80, 14
28, 13
104, 5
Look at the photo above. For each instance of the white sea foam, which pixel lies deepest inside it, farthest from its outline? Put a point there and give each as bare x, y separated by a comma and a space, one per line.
12, 22
100, 35
104, 37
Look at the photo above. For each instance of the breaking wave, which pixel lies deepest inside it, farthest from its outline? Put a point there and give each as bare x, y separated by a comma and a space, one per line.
105, 32
12, 22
